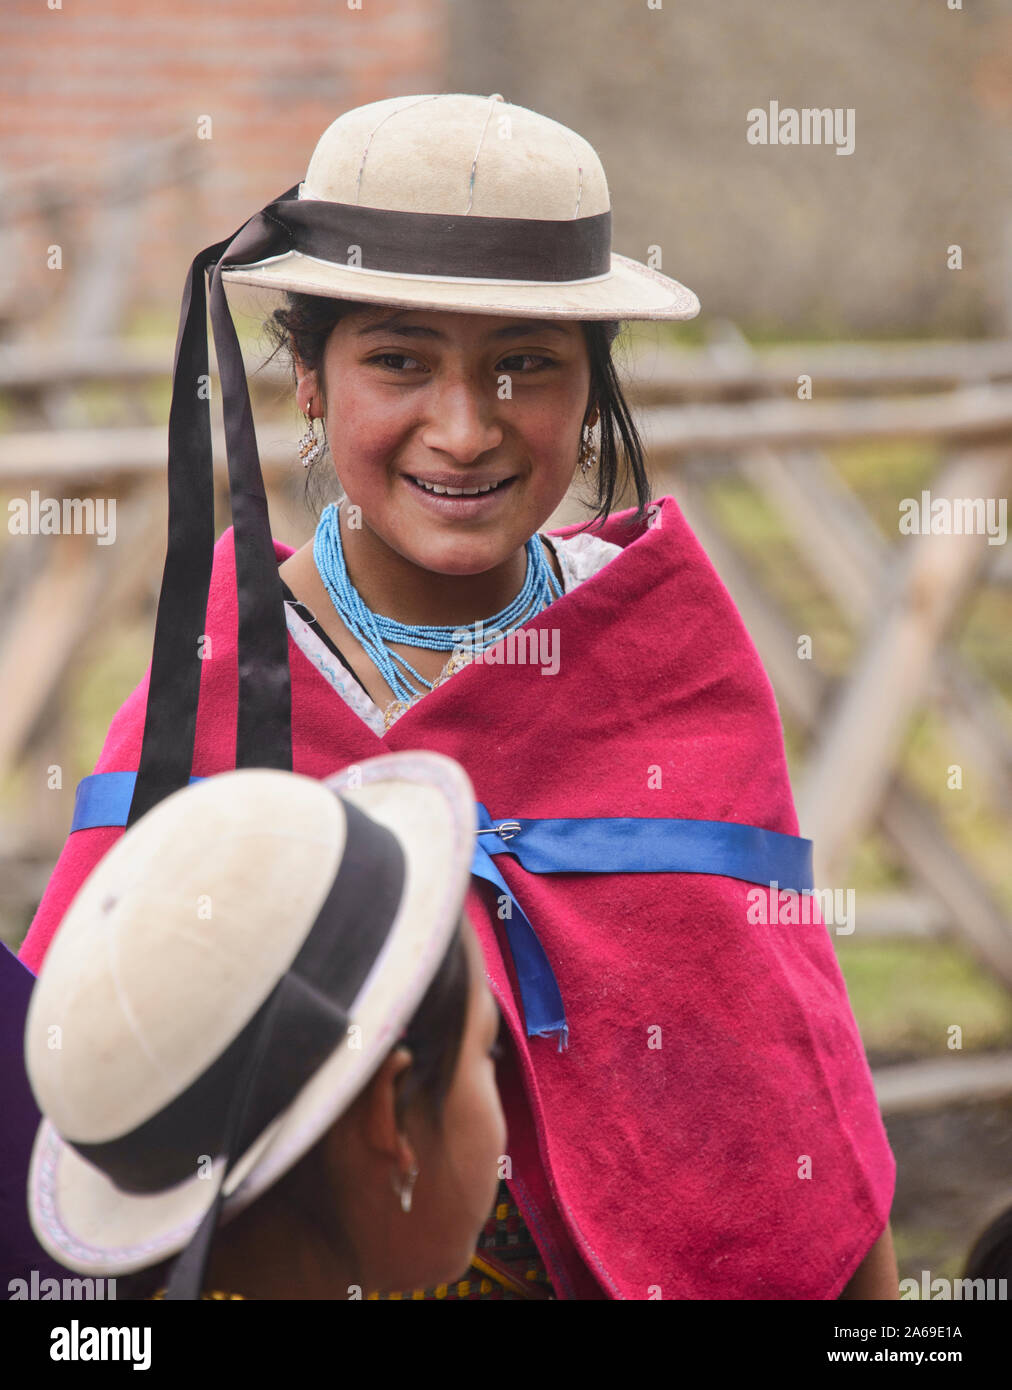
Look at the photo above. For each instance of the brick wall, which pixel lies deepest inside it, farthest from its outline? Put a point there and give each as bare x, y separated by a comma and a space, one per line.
91, 88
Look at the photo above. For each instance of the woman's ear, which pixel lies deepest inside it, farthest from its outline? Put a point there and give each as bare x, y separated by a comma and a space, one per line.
377, 1108
306, 390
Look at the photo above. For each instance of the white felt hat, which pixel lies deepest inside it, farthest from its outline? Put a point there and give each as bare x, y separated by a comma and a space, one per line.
454, 201
173, 949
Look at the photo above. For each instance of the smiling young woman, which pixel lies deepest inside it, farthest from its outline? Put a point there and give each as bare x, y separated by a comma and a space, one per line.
444, 282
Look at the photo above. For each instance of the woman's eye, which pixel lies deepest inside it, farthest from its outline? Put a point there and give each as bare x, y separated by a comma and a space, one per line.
390, 359
394, 362
529, 357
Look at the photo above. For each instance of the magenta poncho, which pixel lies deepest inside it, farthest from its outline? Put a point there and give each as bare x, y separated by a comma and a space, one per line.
711, 1131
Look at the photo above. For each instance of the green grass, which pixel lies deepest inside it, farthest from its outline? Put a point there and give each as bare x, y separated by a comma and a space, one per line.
115, 667
761, 332
983, 639
883, 472
762, 536
927, 1247
906, 994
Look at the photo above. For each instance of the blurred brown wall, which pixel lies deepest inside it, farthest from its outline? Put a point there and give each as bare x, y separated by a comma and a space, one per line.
794, 237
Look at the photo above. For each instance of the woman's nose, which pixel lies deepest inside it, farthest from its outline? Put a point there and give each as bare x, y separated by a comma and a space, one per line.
463, 422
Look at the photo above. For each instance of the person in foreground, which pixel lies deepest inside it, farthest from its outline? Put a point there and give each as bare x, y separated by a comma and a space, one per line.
264, 1039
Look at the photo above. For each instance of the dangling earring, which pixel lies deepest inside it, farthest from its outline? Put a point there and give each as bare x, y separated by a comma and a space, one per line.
405, 1188
588, 454
310, 448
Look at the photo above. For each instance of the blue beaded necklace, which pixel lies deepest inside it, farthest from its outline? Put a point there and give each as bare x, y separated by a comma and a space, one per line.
374, 631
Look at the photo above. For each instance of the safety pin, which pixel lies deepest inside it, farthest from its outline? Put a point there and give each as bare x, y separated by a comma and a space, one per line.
505, 831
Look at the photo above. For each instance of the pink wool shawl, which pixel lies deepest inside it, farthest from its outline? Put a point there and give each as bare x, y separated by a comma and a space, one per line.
712, 1131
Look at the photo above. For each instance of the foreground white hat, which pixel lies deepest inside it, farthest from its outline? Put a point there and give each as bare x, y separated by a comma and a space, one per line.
178, 940
454, 201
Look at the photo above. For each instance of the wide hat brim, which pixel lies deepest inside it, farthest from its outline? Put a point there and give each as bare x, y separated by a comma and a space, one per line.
89, 1225
630, 290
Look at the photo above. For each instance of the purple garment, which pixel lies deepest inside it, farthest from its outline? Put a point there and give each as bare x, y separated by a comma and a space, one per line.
20, 1252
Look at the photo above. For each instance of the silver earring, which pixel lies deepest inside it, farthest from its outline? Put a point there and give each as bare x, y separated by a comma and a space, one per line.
406, 1188
310, 448
588, 454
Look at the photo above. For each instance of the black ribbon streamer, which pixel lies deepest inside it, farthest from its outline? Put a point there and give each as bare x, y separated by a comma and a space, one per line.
263, 730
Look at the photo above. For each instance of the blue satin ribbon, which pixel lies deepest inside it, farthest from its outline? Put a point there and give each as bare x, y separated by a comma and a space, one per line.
577, 845
104, 799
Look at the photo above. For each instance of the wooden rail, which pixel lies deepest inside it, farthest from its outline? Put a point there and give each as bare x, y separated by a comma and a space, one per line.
970, 416
661, 376
655, 375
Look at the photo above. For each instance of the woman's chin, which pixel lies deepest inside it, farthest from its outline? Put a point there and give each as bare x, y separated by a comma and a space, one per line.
461, 557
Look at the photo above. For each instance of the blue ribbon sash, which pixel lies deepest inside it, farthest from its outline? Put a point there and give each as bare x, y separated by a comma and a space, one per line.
584, 845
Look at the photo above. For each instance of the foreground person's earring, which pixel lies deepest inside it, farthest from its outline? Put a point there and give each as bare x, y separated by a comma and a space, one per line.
310, 448
405, 1188
588, 454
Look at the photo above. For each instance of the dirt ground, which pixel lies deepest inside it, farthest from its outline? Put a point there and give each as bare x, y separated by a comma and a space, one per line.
954, 1175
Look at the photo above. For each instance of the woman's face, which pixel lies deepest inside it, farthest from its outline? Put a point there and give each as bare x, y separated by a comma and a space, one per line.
458, 400
457, 1161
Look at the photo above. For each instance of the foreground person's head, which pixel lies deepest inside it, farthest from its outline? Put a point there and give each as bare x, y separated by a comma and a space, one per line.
269, 981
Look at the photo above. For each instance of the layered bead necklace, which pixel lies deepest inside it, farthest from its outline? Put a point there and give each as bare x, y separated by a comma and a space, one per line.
375, 631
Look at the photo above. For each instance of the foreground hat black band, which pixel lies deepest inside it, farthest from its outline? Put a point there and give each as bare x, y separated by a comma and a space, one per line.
301, 1022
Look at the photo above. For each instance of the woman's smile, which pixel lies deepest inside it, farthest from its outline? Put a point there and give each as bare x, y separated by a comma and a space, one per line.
465, 501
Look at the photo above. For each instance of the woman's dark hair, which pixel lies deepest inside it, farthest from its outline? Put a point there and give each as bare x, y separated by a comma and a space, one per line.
991, 1255
305, 325
435, 1034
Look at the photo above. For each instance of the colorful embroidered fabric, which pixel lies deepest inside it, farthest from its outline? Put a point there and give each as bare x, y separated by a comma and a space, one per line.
509, 1265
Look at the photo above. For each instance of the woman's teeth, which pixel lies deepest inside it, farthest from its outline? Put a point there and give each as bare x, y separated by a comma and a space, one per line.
458, 491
